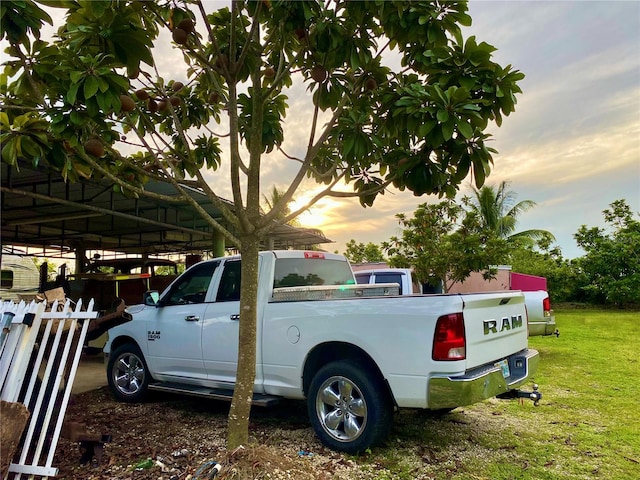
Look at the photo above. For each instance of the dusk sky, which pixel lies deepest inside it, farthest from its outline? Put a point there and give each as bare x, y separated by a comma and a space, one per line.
572, 146
573, 143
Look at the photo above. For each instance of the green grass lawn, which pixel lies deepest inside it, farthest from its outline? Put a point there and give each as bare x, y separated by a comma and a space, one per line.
587, 425
592, 379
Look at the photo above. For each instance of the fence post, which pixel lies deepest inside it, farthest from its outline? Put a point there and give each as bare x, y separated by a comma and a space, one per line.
53, 340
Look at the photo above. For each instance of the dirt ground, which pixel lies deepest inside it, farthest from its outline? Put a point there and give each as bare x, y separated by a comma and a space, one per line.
177, 437
173, 437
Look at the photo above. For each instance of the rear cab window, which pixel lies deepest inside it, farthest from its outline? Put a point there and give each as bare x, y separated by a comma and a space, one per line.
307, 272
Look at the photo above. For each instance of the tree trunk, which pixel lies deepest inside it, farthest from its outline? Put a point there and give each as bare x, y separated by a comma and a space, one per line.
238, 424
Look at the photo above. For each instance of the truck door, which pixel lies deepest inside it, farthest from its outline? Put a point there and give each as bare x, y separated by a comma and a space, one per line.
220, 331
174, 334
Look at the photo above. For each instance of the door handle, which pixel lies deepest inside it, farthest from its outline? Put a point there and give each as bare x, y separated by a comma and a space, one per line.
192, 318
235, 317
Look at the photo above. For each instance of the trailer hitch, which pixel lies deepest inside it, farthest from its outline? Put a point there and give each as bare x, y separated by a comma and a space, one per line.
534, 395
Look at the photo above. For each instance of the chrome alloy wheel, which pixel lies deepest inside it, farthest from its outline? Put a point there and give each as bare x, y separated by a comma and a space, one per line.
128, 374
341, 408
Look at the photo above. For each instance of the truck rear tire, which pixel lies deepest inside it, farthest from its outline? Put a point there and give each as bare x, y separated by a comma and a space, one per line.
127, 374
349, 407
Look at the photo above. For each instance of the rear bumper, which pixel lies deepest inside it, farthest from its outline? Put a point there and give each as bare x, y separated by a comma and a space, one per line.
544, 327
481, 383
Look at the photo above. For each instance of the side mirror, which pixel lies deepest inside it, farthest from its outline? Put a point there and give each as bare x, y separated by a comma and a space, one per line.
151, 298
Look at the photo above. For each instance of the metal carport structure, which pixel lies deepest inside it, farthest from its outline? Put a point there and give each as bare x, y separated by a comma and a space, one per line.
40, 209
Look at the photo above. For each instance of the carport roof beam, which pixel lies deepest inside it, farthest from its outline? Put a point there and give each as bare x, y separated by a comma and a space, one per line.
53, 218
102, 211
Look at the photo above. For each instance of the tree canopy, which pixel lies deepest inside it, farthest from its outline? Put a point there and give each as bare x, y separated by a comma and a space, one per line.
421, 128
94, 102
438, 249
361, 253
444, 244
564, 277
612, 260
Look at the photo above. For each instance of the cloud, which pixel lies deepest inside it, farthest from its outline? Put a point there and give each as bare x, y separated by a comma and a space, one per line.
573, 144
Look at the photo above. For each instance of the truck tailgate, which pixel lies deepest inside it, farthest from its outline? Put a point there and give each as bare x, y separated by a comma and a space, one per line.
495, 326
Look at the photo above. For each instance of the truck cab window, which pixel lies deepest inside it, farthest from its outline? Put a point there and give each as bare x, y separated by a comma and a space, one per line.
389, 278
304, 272
192, 286
362, 278
229, 290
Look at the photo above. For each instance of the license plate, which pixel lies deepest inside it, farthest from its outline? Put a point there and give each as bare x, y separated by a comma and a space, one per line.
504, 366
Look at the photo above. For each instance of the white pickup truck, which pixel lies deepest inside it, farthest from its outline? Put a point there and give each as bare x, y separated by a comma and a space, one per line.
540, 317
354, 352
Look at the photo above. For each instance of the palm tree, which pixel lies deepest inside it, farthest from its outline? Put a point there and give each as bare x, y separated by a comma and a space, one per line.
498, 213
273, 200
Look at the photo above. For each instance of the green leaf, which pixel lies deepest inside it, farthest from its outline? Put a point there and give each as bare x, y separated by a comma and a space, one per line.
348, 145
104, 101
467, 82
463, 169
426, 127
29, 148
355, 61
76, 118
463, 19
465, 129
447, 130
73, 93
103, 85
9, 154
76, 76
441, 95
92, 107
119, 81
90, 87
480, 169
442, 116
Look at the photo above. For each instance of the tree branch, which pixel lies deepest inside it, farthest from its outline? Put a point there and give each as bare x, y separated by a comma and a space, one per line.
216, 48
254, 29
327, 174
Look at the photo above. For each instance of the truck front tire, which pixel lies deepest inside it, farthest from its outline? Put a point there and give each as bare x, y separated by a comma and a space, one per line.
127, 374
349, 407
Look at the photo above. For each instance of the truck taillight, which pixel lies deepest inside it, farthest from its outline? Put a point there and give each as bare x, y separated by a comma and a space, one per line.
449, 342
546, 307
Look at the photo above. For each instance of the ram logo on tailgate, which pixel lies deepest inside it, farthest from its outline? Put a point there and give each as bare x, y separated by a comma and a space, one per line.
507, 323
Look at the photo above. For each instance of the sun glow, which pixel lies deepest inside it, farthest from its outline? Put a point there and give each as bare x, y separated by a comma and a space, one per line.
318, 216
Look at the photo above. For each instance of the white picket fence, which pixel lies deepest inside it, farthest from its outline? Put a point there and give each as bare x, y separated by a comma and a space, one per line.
40, 348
